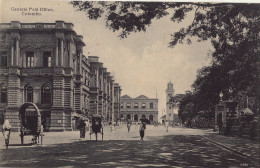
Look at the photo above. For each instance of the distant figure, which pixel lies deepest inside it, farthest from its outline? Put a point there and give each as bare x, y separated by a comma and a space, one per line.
82, 128
220, 123
6, 130
128, 125
166, 125
189, 123
142, 129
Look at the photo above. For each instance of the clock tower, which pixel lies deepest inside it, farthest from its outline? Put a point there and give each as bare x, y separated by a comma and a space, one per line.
169, 94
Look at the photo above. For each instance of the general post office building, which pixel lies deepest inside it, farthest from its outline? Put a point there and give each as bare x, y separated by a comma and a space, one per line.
44, 63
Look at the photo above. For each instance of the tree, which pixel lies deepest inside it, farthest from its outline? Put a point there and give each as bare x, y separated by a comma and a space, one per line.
232, 28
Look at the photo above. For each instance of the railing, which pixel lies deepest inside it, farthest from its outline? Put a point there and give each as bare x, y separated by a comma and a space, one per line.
3, 71
42, 25
37, 71
28, 26
49, 26
5, 26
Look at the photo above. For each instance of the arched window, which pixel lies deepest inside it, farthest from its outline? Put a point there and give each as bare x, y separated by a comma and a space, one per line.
143, 116
3, 94
29, 93
135, 117
46, 95
128, 116
122, 116
151, 117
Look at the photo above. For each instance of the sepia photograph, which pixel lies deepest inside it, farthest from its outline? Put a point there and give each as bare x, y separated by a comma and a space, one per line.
126, 84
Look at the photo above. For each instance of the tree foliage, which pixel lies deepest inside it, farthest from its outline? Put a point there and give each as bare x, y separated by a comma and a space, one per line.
232, 28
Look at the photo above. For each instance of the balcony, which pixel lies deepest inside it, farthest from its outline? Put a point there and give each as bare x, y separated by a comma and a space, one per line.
36, 71
4, 71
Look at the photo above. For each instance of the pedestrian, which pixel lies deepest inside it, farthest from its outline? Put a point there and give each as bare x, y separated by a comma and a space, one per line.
6, 130
220, 124
189, 123
142, 130
128, 126
166, 125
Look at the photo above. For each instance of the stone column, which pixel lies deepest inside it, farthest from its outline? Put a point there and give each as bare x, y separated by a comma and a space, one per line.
97, 79
24, 60
80, 61
17, 52
112, 97
12, 55
70, 55
61, 52
57, 52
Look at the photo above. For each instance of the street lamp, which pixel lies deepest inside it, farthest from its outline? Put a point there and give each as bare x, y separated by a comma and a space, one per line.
221, 95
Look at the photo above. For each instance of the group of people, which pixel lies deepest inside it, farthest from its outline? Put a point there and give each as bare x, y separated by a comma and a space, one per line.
142, 127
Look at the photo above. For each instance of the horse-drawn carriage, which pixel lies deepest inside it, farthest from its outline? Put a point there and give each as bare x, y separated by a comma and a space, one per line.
96, 126
30, 118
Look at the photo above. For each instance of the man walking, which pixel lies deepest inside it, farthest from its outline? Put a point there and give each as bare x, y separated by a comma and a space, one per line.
142, 129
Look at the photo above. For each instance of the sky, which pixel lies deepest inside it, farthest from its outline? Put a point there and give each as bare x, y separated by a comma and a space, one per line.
143, 63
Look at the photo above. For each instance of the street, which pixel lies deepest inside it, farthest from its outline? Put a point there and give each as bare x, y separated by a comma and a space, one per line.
179, 147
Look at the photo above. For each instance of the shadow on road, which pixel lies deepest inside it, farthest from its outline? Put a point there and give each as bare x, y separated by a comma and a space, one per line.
165, 151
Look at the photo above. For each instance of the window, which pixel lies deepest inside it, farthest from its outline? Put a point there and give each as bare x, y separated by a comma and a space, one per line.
135, 117
29, 93
136, 105
29, 59
143, 105
128, 105
151, 117
122, 106
151, 105
3, 60
128, 116
3, 94
46, 59
46, 95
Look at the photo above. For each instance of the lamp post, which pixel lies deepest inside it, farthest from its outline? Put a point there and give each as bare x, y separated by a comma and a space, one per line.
221, 95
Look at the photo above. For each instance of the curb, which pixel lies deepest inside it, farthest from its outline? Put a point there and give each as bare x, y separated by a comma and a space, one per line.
245, 155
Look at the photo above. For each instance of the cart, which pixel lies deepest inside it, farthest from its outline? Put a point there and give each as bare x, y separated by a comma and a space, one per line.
96, 126
30, 119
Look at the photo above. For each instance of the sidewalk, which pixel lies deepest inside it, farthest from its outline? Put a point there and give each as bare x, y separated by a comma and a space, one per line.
241, 146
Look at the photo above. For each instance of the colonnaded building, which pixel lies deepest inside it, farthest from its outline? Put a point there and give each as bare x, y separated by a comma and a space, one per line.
44, 63
139, 107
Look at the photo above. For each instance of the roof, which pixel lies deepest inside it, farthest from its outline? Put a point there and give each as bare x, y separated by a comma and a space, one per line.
142, 97
125, 96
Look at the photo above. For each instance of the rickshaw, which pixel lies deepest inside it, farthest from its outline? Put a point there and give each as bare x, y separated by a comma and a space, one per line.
97, 126
30, 119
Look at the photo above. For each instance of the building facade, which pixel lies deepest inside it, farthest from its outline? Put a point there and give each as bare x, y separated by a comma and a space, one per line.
43, 63
139, 107
169, 110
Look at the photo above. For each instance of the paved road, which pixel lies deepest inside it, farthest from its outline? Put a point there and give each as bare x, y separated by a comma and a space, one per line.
180, 147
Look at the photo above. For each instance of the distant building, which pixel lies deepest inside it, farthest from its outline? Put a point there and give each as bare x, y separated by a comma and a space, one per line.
43, 63
139, 107
169, 110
